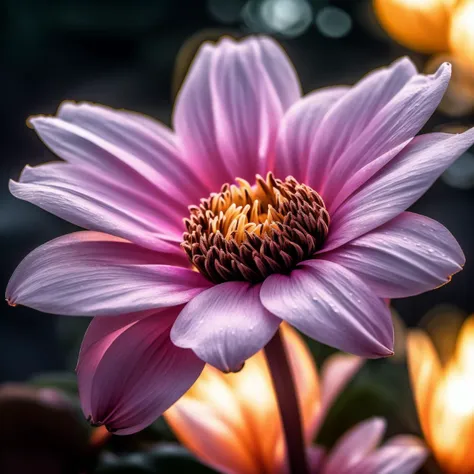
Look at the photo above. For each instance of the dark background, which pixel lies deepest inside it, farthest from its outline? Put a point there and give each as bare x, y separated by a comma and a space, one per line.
123, 54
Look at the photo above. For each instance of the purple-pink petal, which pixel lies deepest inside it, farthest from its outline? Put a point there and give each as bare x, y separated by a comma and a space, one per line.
130, 372
92, 200
230, 106
332, 305
295, 141
402, 454
225, 325
354, 446
397, 186
406, 256
387, 115
91, 274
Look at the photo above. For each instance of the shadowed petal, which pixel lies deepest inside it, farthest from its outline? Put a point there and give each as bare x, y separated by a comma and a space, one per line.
225, 325
397, 186
297, 131
130, 372
400, 455
91, 274
409, 255
332, 305
229, 109
354, 446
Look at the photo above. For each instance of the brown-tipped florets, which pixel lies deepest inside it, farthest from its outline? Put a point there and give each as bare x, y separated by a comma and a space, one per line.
245, 233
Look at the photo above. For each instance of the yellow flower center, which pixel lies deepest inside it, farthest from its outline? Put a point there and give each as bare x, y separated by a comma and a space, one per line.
245, 232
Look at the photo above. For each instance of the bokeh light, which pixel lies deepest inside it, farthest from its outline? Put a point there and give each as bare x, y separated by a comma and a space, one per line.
289, 18
333, 22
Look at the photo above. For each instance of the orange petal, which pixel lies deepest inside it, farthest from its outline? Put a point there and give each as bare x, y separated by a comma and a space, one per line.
425, 372
421, 25
452, 421
209, 420
232, 422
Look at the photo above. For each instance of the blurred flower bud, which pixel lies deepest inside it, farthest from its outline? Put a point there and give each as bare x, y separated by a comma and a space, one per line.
40, 432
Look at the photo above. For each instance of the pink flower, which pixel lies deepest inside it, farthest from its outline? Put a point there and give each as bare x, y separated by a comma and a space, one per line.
231, 421
319, 249
357, 452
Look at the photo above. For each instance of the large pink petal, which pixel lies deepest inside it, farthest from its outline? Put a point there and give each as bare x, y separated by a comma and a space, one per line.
397, 120
121, 151
91, 274
332, 305
225, 325
354, 446
381, 112
92, 200
297, 131
406, 256
337, 371
230, 106
400, 455
143, 141
397, 186
130, 372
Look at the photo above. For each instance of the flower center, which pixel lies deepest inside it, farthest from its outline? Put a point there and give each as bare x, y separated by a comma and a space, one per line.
245, 232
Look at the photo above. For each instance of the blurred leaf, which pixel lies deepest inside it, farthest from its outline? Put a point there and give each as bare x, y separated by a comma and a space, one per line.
65, 381
70, 333
380, 389
172, 457
160, 430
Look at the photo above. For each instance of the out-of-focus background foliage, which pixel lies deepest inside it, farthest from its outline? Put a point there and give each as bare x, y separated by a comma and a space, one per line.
133, 55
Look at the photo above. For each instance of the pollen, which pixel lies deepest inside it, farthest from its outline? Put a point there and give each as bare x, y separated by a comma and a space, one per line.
245, 232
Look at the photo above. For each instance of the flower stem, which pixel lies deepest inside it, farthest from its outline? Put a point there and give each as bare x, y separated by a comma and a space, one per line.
284, 385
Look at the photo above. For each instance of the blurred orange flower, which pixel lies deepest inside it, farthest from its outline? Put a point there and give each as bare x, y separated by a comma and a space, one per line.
444, 396
231, 421
421, 25
443, 27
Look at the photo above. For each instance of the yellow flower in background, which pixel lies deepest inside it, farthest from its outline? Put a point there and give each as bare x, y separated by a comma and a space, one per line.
462, 34
421, 25
444, 396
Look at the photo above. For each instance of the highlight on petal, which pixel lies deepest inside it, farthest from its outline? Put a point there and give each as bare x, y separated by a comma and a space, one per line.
421, 25
230, 106
406, 256
225, 325
130, 372
92, 274
231, 421
332, 305
396, 186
